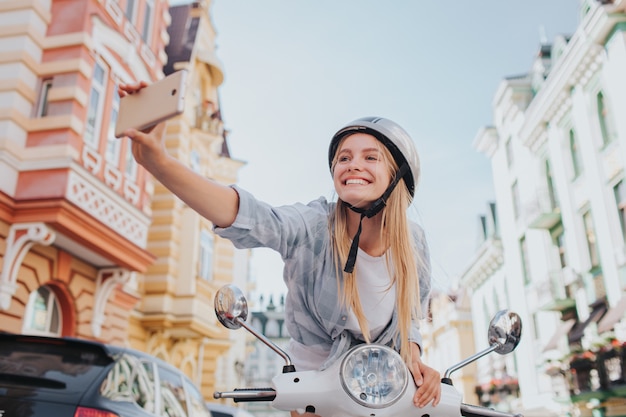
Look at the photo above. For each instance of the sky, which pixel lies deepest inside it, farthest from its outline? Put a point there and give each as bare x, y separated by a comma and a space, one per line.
296, 71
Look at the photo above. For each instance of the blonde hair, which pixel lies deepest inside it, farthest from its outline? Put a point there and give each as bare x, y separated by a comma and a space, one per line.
402, 262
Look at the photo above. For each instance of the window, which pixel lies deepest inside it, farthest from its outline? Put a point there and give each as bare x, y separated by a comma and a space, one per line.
575, 154
554, 201
620, 200
42, 105
605, 118
516, 200
131, 379
536, 326
43, 313
146, 34
599, 288
558, 237
131, 7
495, 300
130, 163
94, 111
112, 152
509, 152
272, 328
194, 158
206, 255
524, 260
173, 398
590, 235
196, 402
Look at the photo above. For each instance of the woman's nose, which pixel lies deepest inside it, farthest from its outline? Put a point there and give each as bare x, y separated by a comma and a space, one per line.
354, 165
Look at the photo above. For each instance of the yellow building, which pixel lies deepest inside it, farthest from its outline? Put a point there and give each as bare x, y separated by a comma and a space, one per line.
449, 339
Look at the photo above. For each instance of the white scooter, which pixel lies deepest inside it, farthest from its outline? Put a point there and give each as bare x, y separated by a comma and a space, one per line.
370, 380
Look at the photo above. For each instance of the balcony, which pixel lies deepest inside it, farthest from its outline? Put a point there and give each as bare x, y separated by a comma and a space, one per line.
542, 212
597, 374
500, 393
209, 120
559, 300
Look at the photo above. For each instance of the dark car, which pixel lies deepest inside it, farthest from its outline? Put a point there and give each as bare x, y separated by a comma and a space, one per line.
49, 377
223, 410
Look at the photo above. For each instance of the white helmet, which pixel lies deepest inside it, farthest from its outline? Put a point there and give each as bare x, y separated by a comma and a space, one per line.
390, 134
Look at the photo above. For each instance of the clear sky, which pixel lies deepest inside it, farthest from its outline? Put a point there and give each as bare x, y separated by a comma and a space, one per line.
296, 71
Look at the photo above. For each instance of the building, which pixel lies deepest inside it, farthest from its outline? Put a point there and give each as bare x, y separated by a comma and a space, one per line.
485, 285
92, 246
448, 339
75, 208
262, 363
558, 155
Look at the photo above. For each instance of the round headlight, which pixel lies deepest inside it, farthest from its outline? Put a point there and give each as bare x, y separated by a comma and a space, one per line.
374, 376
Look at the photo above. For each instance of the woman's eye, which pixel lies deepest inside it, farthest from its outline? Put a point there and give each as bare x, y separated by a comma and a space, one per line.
343, 158
372, 158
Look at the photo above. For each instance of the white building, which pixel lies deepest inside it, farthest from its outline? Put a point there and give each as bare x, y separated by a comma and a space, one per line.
558, 153
262, 363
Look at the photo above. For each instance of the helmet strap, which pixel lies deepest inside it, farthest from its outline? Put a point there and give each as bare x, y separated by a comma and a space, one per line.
370, 212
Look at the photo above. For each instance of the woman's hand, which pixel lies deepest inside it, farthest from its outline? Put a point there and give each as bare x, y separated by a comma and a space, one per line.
427, 380
147, 146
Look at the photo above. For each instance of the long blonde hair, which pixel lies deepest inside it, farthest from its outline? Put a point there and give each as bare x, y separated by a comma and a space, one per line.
403, 262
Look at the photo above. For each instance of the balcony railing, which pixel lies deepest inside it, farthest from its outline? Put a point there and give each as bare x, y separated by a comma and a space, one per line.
209, 123
499, 393
599, 373
559, 299
542, 212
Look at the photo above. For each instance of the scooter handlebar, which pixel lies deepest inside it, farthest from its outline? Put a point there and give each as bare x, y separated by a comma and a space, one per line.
248, 394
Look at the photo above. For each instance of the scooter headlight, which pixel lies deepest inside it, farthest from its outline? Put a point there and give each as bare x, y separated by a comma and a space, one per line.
374, 376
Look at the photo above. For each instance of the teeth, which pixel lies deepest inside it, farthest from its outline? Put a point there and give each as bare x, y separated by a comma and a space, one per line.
355, 181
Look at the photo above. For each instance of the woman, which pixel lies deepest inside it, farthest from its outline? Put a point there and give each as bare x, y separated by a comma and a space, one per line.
356, 270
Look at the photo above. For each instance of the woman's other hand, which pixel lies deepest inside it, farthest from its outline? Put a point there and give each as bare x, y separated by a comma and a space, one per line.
427, 380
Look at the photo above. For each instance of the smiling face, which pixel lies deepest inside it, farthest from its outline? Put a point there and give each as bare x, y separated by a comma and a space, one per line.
360, 173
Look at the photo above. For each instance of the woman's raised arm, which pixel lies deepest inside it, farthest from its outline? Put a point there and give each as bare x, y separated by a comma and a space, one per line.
217, 202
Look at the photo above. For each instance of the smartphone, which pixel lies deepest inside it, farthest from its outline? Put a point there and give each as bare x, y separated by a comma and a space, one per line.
153, 104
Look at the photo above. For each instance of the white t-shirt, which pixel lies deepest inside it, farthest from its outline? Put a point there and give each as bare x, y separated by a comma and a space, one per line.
377, 298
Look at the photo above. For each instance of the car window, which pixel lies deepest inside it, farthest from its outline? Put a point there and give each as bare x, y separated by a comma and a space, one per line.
196, 402
172, 393
64, 366
131, 379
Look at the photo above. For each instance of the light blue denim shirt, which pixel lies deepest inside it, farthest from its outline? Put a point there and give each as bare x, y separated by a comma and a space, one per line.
314, 313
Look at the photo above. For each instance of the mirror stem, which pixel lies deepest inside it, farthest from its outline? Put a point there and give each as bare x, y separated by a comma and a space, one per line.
266, 341
446, 375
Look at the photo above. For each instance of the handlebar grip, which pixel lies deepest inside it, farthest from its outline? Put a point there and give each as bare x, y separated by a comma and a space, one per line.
248, 394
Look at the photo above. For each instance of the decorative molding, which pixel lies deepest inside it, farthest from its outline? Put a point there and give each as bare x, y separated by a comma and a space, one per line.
148, 56
107, 210
92, 160
131, 192
115, 11
112, 177
131, 34
108, 279
488, 261
22, 236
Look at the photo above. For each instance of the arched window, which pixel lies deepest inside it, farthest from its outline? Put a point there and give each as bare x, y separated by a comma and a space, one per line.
43, 313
